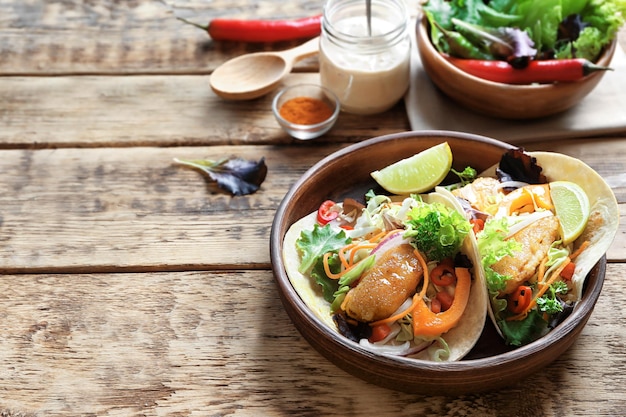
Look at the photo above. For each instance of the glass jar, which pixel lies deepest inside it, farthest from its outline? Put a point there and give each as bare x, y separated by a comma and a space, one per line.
369, 73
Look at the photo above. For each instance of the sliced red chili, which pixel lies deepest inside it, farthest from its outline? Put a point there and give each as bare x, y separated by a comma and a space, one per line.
443, 274
568, 272
325, 212
477, 225
380, 332
446, 300
435, 305
520, 299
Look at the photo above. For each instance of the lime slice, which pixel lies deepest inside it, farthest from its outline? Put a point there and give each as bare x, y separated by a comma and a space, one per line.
572, 207
418, 173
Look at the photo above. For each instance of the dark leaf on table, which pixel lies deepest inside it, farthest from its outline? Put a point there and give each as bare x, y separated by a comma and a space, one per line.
235, 175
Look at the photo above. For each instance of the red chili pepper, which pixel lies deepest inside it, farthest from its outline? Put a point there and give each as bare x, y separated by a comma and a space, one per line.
256, 30
568, 272
443, 274
325, 214
379, 332
520, 299
435, 306
477, 225
445, 299
539, 71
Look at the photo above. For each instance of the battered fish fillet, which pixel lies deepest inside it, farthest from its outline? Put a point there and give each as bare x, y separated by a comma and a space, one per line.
385, 286
536, 240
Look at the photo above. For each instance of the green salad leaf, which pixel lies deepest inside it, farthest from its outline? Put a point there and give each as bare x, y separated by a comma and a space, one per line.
437, 231
329, 286
313, 244
549, 302
599, 22
492, 247
521, 332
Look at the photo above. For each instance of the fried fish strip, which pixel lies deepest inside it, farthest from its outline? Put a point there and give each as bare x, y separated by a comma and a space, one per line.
385, 286
536, 240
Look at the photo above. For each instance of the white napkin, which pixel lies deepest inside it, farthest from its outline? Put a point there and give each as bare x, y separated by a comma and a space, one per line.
601, 112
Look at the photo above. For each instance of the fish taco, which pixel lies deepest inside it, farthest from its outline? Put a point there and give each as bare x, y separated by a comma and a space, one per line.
398, 275
542, 221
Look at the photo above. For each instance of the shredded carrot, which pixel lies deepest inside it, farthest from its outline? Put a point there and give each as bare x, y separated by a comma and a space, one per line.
543, 286
378, 236
398, 316
346, 263
354, 247
416, 297
357, 248
327, 267
577, 252
342, 254
541, 271
542, 290
426, 281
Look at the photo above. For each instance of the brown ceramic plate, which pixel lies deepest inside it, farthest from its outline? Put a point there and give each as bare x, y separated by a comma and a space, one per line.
501, 100
490, 364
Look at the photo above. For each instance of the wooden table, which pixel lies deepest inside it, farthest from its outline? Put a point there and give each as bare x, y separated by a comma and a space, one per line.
133, 287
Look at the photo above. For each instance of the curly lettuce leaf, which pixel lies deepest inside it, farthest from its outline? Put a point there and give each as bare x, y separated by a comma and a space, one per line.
541, 19
493, 246
313, 244
437, 231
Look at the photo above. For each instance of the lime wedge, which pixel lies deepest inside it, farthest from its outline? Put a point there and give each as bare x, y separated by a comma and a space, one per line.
572, 208
418, 173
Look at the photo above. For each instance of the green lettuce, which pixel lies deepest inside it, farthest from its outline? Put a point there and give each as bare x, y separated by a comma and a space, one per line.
601, 21
313, 244
493, 246
437, 231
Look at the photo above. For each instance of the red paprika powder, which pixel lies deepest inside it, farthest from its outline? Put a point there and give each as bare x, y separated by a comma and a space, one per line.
305, 111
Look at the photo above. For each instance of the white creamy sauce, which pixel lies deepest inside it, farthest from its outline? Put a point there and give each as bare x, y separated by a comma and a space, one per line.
365, 82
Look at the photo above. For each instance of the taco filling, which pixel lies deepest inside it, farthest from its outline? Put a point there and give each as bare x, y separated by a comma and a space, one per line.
541, 224
397, 275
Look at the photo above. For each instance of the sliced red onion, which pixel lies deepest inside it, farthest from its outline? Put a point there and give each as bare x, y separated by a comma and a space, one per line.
392, 241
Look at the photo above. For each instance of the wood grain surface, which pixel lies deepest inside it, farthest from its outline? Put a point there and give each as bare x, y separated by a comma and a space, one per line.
159, 110
131, 286
181, 344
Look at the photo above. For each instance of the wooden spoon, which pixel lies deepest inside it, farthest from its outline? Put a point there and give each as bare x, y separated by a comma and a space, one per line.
254, 75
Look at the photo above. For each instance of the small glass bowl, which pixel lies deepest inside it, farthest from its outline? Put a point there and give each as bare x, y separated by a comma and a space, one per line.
306, 131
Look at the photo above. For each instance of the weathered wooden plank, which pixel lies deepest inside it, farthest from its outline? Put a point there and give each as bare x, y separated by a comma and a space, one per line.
154, 111
214, 344
106, 209
138, 36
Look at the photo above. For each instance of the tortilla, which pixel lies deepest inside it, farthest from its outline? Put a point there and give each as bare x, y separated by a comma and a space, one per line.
603, 219
604, 214
460, 339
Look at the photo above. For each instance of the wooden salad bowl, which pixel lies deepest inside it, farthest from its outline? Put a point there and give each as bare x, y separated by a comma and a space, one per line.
490, 365
507, 101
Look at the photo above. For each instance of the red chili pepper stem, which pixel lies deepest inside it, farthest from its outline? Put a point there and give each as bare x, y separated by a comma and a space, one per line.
203, 27
590, 67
